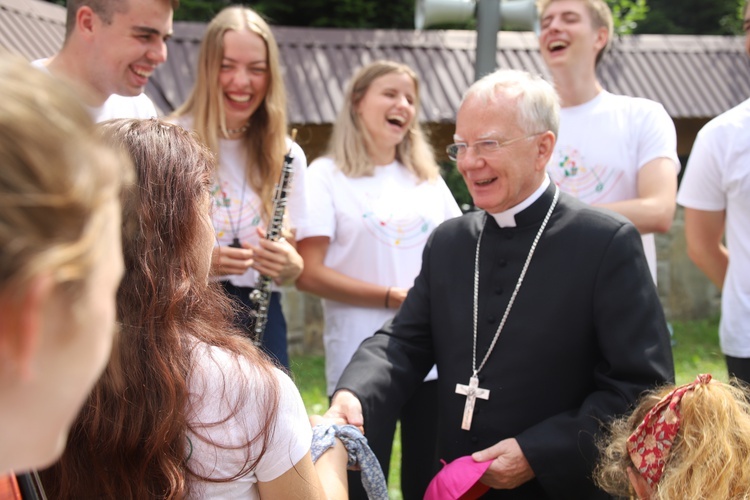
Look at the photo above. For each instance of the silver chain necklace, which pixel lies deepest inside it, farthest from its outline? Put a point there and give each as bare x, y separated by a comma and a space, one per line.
473, 391
225, 201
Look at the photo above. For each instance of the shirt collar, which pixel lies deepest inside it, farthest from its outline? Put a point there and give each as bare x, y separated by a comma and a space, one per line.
507, 218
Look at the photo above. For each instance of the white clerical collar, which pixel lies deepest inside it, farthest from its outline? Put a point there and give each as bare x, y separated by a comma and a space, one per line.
508, 217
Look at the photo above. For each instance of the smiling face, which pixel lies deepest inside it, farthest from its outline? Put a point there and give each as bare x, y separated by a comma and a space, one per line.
126, 51
243, 77
386, 112
569, 37
505, 178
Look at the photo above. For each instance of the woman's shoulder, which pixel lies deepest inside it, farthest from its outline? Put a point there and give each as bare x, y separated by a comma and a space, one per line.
216, 365
323, 162
324, 165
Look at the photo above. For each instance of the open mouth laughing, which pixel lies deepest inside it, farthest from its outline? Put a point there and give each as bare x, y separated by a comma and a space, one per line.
557, 46
397, 120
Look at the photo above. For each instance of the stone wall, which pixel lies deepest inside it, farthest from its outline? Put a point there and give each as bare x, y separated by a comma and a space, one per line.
684, 291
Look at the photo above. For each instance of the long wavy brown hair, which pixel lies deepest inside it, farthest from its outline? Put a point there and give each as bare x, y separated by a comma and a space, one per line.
131, 439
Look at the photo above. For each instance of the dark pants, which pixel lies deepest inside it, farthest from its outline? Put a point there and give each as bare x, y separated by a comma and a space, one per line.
419, 461
274, 338
739, 368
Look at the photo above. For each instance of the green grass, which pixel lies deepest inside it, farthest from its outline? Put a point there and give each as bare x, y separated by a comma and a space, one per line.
695, 350
309, 375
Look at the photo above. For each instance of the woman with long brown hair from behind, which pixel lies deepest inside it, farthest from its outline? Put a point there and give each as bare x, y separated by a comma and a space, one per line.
188, 407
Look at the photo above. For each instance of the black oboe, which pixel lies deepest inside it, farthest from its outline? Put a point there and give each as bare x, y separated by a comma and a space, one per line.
261, 295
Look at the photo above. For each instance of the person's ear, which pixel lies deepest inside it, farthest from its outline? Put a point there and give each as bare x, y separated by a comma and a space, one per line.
86, 20
642, 489
602, 37
21, 323
545, 147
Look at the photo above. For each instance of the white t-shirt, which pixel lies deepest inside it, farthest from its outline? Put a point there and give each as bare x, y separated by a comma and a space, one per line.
603, 144
717, 178
237, 208
214, 393
378, 227
116, 106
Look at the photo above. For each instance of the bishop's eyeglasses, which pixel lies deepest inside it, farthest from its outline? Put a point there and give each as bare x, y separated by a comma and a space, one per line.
483, 148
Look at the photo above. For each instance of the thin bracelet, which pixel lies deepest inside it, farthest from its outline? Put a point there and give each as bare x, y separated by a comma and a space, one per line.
387, 296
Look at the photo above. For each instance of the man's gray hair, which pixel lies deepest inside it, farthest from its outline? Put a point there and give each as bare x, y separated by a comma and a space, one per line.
538, 104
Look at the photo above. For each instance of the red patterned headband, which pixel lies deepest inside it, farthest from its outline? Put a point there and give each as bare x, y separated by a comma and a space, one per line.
650, 443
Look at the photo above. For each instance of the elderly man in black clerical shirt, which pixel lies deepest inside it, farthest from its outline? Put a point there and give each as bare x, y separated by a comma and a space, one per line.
539, 311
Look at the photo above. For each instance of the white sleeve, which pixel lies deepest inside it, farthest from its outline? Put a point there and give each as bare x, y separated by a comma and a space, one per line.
657, 137
449, 201
321, 218
230, 405
292, 434
297, 204
701, 186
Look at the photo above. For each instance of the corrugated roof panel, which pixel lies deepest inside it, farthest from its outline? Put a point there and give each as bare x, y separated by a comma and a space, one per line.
439, 75
693, 76
31, 28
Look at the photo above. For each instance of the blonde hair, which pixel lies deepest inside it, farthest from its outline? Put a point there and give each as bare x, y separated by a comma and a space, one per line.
347, 146
601, 17
265, 138
709, 457
55, 180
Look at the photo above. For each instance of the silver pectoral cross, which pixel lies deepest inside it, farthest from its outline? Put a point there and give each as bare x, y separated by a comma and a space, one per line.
472, 392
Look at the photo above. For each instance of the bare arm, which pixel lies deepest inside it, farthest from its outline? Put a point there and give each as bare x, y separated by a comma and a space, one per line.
653, 210
324, 480
321, 280
704, 231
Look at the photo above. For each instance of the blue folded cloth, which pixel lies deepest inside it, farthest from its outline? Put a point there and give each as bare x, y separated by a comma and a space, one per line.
359, 452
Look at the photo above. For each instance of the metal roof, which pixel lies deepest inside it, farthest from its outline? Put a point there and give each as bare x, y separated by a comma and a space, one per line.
693, 76
31, 28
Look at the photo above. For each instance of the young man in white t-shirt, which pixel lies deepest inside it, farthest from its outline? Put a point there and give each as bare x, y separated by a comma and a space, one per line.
111, 47
617, 152
715, 192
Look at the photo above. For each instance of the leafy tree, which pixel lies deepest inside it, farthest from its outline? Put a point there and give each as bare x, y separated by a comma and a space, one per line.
627, 14
693, 17
199, 10
631, 16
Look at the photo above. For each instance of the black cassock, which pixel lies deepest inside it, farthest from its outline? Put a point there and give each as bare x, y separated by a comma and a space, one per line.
584, 338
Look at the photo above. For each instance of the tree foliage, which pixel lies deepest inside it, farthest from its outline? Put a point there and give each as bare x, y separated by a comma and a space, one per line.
719, 17
627, 14
692, 17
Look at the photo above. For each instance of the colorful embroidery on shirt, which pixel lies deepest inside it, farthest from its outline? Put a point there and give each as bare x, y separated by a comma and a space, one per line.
403, 232
590, 184
226, 204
